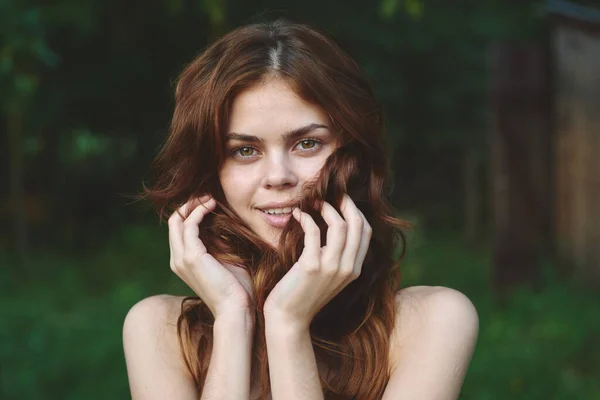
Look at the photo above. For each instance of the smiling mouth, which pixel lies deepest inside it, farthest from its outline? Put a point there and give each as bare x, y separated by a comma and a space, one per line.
277, 217
278, 211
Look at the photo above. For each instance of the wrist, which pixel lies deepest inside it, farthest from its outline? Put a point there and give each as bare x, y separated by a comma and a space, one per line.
236, 320
284, 325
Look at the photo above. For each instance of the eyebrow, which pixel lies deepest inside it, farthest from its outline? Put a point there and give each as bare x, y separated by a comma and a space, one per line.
290, 135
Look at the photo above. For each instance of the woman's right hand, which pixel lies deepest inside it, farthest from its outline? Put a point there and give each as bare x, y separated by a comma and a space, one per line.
223, 288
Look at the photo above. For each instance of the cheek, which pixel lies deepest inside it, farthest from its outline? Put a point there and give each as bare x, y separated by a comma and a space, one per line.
236, 184
310, 167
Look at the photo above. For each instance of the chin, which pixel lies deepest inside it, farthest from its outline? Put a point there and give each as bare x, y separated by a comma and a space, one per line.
273, 239
270, 236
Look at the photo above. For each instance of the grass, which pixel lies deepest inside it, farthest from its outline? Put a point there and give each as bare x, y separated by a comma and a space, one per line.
60, 336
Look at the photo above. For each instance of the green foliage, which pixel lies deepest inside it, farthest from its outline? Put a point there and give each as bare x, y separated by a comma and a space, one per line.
92, 81
413, 8
539, 345
61, 331
215, 9
23, 48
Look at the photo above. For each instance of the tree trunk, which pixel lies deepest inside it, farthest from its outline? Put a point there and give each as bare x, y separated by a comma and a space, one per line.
16, 194
472, 196
520, 157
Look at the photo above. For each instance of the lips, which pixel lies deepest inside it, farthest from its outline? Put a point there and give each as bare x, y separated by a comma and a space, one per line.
277, 214
278, 220
277, 204
278, 211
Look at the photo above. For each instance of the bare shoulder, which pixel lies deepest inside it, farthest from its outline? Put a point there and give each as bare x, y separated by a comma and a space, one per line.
426, 310
432, 343
155, 365
417, 302
157, 311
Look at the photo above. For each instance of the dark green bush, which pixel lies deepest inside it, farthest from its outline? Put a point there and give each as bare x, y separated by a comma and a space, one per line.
60, 335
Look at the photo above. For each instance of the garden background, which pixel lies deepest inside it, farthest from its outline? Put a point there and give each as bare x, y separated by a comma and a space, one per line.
492, 117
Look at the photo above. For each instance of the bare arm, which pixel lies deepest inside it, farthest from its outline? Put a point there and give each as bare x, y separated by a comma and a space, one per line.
228, 374
155, 365
292, 364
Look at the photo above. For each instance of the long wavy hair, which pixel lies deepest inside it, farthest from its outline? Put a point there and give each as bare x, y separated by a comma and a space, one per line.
351, 334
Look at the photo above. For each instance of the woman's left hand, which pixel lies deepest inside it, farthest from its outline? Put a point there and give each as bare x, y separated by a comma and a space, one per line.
321, 272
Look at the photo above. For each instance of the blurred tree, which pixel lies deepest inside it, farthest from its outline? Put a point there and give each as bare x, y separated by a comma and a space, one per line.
445, 69
86, 130
24, 51
96, 119
520, 144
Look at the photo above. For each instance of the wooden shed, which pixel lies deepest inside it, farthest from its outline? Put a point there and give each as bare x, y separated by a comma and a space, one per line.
545, 148
575, 41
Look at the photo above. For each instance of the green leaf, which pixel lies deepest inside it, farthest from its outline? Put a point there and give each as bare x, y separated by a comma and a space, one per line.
215, 9
6, 63
25, 84
44, 53
388, 8
414, 8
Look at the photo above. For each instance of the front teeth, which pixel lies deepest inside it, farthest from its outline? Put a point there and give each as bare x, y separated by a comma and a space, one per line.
277, 211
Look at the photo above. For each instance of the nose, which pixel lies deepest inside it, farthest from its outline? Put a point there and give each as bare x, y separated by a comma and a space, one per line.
279, 172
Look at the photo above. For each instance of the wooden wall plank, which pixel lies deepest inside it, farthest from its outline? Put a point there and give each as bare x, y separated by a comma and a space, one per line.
577, 213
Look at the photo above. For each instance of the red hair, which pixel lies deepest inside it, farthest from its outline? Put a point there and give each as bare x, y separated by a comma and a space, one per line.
351, 333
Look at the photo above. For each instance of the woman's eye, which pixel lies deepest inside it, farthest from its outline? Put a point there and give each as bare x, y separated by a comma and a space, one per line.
307, 144
245, 151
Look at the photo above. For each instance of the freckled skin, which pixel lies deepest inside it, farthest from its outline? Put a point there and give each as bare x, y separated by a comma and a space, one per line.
273, 169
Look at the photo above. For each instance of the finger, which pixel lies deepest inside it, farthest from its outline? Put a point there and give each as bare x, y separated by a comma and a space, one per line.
191, 227
205, 198
194, 203
312, 237
365, 241
356, 221
175, 223
173, 250
336, 234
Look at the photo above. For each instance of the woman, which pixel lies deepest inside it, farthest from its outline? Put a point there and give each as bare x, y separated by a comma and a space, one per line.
276, 153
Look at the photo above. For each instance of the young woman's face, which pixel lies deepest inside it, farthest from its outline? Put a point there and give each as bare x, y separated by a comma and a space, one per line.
276, 143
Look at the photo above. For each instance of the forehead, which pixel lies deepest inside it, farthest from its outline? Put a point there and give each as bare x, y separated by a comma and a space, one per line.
272, 107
